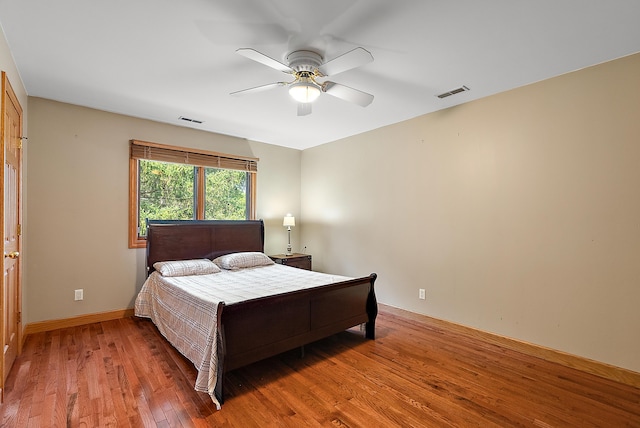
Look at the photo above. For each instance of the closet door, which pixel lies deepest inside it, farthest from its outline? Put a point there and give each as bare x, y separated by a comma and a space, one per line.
11, 212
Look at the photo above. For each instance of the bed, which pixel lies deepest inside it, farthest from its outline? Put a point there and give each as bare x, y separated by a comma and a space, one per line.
229, 332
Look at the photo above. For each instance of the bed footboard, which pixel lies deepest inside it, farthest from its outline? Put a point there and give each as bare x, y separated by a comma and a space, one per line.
253, 330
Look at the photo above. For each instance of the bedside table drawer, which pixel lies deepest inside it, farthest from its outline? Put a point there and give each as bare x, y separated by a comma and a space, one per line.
300, 261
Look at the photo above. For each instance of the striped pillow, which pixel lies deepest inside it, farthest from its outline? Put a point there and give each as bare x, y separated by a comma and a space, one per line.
235, 261
186, 267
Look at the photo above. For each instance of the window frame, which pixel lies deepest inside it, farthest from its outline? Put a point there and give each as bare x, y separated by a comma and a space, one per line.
198, 158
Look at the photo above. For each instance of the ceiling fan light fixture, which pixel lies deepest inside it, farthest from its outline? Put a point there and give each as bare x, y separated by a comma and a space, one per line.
304, 91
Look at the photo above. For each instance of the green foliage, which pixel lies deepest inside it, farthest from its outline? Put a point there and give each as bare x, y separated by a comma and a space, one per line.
226, 194
167, 192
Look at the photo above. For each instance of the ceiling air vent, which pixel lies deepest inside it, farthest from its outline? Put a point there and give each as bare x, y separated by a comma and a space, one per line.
186, 119
453, 92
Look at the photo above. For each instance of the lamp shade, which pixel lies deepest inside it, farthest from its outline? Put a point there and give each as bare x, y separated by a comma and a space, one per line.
304, 91
289, 220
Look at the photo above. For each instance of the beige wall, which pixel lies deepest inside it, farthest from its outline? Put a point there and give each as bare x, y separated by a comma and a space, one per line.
519, 214
76, 227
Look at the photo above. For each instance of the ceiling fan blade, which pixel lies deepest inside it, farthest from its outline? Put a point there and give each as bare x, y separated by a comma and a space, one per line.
258, 88
347, 61
304, 109
348, 94
263, 59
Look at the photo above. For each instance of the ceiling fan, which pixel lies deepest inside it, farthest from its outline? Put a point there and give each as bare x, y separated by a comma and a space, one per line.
307, 67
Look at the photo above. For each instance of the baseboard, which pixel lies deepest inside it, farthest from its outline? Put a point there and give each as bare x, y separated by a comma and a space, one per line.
42, 326
607, 371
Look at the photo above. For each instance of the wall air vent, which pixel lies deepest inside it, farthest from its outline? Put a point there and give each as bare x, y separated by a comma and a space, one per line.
186, 119
453, 92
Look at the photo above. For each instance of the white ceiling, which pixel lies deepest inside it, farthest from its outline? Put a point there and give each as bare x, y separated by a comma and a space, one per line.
162, 59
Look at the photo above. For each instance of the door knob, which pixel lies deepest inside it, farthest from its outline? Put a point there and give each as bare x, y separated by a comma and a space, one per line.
12, 255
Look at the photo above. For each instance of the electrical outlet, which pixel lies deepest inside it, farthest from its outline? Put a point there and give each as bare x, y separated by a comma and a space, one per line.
421, 294
79, 294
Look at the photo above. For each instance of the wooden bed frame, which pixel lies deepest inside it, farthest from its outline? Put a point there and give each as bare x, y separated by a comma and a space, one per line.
257, 329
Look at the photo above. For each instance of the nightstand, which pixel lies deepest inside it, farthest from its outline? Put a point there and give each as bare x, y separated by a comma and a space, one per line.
298, 260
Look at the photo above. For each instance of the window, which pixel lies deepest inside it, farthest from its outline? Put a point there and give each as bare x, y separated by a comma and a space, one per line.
174, 183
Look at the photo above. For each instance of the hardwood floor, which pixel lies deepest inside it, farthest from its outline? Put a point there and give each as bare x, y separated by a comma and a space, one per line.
415, 374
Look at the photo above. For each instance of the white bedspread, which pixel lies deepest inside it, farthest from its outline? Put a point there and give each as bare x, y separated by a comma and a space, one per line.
185, 308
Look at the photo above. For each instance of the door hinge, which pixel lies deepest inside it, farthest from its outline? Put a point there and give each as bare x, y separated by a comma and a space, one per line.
19, 230
19, 317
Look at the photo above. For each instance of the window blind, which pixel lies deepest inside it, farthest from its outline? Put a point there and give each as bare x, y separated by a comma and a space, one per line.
162, 153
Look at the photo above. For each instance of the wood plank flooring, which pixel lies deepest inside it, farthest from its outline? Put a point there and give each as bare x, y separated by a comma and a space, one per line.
415, 374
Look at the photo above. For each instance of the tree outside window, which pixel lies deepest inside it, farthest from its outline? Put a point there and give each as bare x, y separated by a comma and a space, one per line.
225, 194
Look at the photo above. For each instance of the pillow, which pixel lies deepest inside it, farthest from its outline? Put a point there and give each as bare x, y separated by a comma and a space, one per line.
186, 267
235, 261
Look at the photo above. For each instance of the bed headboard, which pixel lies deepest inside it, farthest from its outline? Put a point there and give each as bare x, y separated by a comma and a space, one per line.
196, 239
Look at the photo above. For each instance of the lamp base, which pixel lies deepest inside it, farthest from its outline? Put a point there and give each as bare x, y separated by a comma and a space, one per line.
289, 243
